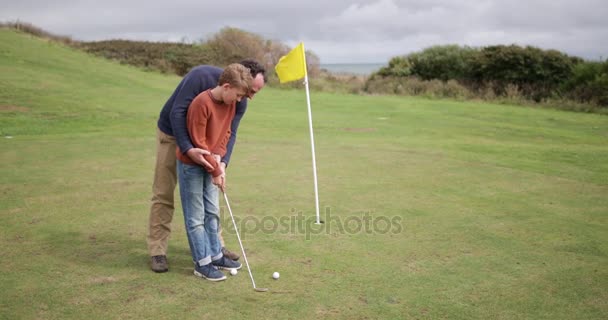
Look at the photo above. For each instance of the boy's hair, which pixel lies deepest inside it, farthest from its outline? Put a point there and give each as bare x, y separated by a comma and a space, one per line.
254, 67
237, 75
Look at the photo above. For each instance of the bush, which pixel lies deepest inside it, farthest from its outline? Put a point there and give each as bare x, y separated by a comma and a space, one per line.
329, 82
231, 45
441, 62
412, 86
176, 58
537, 73
397, 67
589, 83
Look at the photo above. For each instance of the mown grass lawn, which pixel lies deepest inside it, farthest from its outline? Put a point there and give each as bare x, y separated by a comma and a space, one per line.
435, 209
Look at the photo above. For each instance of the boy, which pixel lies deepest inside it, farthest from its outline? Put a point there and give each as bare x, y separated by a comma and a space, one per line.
209, 117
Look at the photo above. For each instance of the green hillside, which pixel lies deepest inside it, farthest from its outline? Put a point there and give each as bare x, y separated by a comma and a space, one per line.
437, 209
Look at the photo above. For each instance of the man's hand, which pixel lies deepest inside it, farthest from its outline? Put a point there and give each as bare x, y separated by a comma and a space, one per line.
196, 154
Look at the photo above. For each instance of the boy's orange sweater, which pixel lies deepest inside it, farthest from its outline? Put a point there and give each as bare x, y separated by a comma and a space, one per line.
208, 124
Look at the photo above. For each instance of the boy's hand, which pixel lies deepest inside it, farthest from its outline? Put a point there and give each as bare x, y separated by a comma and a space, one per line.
223, 167
196, 154
220, 182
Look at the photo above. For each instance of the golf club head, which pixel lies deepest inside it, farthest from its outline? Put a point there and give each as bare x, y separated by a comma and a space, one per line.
260, 289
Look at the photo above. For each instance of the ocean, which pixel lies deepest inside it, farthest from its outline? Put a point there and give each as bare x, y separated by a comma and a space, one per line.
352, 68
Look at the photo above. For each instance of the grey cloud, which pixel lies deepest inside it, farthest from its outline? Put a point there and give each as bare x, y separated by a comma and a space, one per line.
337, 30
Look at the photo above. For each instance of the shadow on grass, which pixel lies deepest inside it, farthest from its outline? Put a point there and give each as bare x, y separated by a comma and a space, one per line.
106, 249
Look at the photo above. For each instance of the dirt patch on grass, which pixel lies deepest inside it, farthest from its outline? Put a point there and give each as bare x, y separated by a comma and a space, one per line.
4, 108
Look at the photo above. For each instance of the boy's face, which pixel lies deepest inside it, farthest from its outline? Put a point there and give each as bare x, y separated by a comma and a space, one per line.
232, 94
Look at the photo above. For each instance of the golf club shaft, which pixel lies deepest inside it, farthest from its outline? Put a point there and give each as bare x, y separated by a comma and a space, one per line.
239, 238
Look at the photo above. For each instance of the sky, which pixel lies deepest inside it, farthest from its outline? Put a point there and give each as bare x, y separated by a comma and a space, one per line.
338, 31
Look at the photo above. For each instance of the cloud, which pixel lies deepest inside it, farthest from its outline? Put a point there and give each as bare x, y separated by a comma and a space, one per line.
384, 20
337, 30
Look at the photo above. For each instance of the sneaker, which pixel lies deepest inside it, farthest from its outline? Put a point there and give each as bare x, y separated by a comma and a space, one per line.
159, 264
229, 254
209, 272
226, 264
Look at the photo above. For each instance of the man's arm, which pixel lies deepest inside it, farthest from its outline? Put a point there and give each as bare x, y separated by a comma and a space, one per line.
241, 107
189, 90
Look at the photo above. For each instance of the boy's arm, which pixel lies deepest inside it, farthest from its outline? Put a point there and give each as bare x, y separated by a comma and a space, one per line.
216, 170
221, 148
198, 117
241, 107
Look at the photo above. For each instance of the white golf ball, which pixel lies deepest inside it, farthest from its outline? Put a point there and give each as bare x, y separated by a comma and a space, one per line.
275, 275
233, 272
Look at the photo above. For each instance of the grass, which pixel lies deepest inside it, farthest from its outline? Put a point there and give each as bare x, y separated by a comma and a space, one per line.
502, 210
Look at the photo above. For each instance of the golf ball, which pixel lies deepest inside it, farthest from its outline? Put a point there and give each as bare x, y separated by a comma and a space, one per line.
233, 272
275, 275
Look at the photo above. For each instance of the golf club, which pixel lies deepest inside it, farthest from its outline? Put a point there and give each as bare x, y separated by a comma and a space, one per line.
242, 248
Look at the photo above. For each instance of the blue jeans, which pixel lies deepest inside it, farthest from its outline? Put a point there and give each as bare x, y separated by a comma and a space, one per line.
200, 202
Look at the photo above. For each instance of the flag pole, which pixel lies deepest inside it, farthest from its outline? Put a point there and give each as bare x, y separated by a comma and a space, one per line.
312, 138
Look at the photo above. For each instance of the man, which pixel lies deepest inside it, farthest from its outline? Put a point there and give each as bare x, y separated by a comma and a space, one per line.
209, 120
172, 130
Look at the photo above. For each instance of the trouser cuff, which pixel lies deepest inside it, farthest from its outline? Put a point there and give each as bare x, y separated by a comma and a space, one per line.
219, 256
204, 261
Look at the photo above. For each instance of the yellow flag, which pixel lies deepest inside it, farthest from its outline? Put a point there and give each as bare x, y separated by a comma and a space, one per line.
292, 66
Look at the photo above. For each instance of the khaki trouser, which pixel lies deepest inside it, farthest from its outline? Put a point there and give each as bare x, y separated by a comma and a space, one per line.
163, 188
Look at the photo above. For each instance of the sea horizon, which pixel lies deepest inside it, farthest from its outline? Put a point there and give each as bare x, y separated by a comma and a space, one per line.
352, 68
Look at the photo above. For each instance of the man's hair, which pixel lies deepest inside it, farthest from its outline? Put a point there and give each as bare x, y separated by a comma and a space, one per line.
237, 75
254, 67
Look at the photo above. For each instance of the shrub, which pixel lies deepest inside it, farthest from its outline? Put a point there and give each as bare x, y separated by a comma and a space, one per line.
176, 58
413, 86
397, 67
536, 72
329, 82
589, 83
231, 45
441, 62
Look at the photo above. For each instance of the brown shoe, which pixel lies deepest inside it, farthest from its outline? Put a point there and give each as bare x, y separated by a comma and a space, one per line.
159, 264
229, 254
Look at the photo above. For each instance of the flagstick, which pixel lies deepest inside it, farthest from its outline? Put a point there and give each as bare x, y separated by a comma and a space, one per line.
293, 67
312, 138
312, 145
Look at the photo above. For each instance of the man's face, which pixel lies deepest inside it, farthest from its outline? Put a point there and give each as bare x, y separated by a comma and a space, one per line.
256, 86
